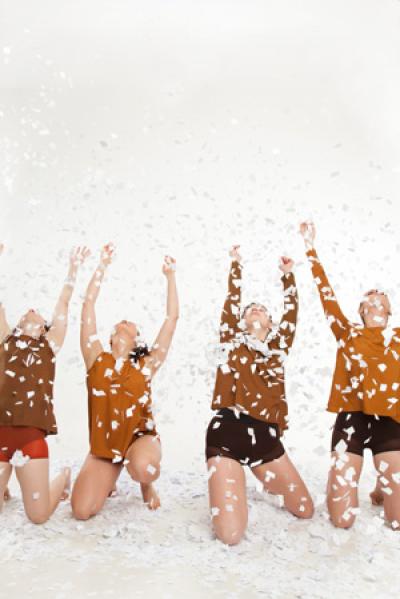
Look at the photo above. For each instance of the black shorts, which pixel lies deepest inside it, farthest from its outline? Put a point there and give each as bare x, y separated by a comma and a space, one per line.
364, 431
242, 438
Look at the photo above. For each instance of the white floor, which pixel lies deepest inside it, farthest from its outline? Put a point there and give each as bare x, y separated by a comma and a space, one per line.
128, 551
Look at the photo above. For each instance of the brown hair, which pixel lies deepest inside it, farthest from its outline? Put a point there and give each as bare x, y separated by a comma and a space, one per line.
141, 349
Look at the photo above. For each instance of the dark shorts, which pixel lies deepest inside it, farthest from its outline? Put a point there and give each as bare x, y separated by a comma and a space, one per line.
243, 438
29, 440
364, 431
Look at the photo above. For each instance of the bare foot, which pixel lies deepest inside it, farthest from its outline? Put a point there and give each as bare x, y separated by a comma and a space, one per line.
67, 485
7, 494
376, 497
150, 496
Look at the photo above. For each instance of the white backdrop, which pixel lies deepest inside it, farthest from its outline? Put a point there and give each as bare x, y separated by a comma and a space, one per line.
182, 127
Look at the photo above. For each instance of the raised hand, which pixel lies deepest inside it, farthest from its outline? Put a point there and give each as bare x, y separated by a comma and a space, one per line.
169, 265
107, 254
1, 248
307, 230
286, 264
78, 255
234, 253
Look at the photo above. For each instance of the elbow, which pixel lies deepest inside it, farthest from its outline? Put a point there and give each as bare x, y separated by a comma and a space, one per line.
88, 300
173, 318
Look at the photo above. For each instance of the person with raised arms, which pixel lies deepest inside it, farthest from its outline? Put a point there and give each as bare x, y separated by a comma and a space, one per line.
27, 373
122, 430
250, 400
365, 394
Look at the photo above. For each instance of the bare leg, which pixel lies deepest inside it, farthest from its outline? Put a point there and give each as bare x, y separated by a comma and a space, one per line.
142, 461
5, 473
41, 497
342, 489
388, 466
228, 501
94, 483
280, 477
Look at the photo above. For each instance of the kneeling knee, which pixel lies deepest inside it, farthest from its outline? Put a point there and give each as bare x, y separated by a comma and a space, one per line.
81, 512
229, 535
144, 472
306, 511
38, 518
340, 522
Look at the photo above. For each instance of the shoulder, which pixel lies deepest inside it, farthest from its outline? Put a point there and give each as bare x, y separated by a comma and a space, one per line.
104, 360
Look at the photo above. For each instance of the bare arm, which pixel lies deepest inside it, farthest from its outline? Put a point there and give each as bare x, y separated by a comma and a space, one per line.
91, 347
230, 316
162, 343
5, 328
336, 319
58, 327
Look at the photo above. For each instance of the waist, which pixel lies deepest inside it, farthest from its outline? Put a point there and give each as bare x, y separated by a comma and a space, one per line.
234, 414
22, 433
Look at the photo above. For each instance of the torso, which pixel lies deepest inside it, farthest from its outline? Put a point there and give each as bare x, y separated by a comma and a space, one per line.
119, 405
253, 382
367, 374
27, 371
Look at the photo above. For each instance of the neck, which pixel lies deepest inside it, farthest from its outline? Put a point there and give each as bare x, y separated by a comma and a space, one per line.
260, 333
120, 350
33, 334
374, 325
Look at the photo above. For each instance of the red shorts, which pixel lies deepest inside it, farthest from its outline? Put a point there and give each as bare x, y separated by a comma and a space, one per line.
29, 440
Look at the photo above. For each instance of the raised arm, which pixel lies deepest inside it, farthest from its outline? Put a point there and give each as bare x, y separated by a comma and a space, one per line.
5, 329
336, 319
230, 316
58, 327
160, 347
287, 327
91, 347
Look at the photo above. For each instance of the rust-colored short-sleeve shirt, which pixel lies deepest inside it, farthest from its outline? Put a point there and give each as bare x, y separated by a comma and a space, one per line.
119, 401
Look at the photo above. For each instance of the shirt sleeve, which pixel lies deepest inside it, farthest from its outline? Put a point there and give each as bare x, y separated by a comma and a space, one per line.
336, 319
230, 316
284, 337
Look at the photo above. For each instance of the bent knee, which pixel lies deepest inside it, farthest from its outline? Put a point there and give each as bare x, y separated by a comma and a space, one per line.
342, 520
229, 536
305, 511
82, 511
38, 518
229, 533
338, 523
144, 471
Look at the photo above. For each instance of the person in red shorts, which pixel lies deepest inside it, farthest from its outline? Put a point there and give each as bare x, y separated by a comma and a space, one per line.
27, 371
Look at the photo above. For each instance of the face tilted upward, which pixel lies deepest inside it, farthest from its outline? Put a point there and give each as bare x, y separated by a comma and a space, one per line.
126, 333
375, 309
256, 313
32, 323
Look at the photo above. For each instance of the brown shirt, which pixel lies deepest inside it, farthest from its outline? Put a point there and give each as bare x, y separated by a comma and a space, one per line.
367, 371
119, 405
27, 370
253, 380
